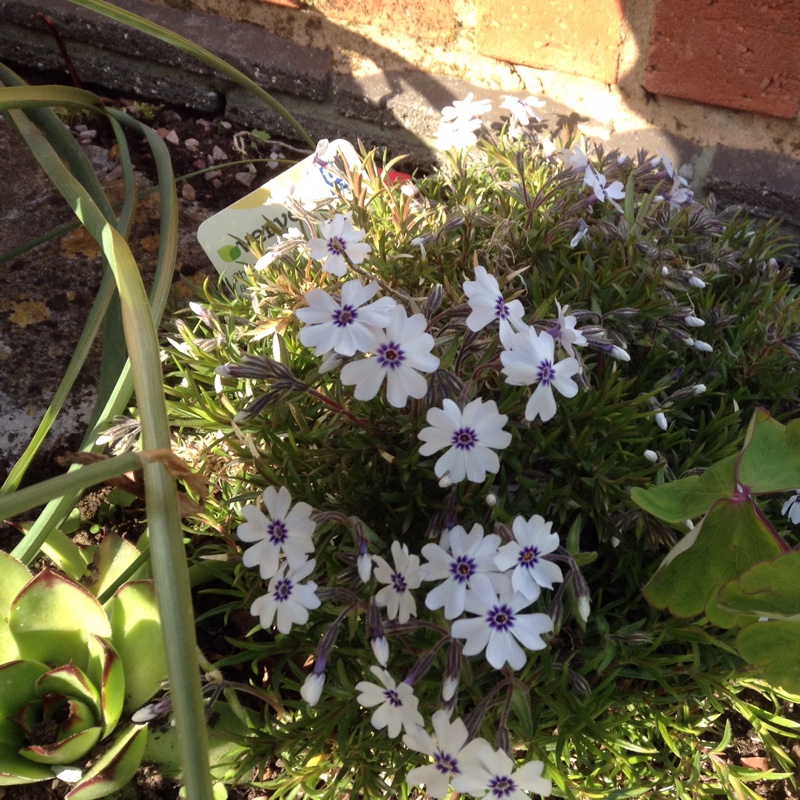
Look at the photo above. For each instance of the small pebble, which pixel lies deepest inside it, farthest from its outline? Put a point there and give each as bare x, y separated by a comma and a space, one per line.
216, 183
114, 174
218, 153
192, 145
245, 177
199, 164
172, 138
188, 192
213, 174
225, 124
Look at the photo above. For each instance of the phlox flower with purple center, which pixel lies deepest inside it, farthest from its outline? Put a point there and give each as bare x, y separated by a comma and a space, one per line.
347, 326
400, 353
282, 529
287, 598
525, 556
611, 192
338, 238
522, 110
448, 749
396, 596
396, 703
467, 565
490, 775
529, 358
565, 332
488, 304
471, 436
499, 628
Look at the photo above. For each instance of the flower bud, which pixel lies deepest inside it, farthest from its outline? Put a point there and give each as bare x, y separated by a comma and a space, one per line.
661, 420
452, 670
703, 347
619, 353
693, 322
380, 649
696, 282
651, 456
311, 689
699, 388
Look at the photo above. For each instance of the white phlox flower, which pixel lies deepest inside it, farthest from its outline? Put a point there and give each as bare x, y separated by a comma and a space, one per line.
490, 775
680, 195
396, 703
467, 565
338, 238
287, 598
396, 596
500, 629
583, 232
460, 121
400, 353
531, 572
281, 530
346, 326
529, 358
447, 748
471, 437
575, 158
791, 508
466, 109
522, 110
488, 304
567, 335
458, 134
597, 182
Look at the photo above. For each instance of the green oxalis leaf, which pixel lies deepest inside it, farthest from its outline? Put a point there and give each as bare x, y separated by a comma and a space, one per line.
734, 534
770, 459
688, 498
774, 647
770, 589
731, 537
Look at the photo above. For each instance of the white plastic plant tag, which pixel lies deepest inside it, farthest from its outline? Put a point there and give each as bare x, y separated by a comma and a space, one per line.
308, 181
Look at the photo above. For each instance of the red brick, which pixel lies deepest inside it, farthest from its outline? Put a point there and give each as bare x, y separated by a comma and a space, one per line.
740, 54
582, 37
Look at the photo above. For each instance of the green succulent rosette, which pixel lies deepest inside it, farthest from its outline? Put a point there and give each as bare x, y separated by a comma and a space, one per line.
70, 669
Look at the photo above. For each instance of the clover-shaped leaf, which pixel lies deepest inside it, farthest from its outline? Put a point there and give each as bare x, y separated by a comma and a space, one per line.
770, 459
732, 536
768, 589
774, 647
691, 497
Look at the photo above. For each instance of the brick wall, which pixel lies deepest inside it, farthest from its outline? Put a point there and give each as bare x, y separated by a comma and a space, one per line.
738, 54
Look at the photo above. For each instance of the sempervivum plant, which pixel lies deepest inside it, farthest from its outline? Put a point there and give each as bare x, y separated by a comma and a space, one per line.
70, 670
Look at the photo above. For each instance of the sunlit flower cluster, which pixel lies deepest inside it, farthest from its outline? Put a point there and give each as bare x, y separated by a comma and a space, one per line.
496, 597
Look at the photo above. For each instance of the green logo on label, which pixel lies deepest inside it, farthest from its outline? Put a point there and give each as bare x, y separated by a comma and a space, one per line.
229, 253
